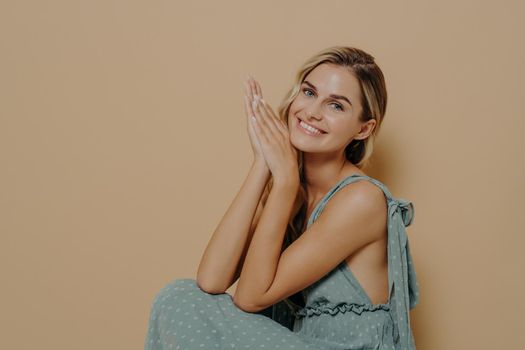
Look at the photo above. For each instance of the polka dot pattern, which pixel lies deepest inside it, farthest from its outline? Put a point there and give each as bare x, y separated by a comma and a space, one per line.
338, 314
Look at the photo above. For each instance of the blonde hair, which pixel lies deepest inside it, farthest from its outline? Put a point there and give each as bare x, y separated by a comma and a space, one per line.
373, 100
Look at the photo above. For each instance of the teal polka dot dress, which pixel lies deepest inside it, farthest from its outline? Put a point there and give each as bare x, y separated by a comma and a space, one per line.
336, 314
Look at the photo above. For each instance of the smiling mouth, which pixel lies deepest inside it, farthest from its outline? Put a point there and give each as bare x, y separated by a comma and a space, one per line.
308, 129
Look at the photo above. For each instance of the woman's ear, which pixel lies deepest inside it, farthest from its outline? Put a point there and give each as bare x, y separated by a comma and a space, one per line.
366, 129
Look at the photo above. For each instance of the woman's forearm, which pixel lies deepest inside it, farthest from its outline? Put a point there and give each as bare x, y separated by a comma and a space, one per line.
264, 252
232, 236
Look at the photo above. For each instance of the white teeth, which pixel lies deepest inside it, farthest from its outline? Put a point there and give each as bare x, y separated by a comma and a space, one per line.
309, 128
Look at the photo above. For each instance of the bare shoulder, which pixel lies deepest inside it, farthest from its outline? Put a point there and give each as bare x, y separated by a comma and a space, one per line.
363, 190
365, 198
352, 218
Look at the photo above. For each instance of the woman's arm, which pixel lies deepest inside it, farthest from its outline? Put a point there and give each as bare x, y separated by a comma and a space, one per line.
224, 255
264, 252
254, 224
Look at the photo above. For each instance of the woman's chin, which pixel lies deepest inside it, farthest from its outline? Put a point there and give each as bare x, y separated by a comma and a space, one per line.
302, 144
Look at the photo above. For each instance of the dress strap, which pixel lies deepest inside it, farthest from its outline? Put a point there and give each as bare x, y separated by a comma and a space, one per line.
403, 286
402, 280
347, 180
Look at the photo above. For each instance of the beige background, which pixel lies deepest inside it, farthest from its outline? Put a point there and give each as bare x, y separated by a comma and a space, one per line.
123, 141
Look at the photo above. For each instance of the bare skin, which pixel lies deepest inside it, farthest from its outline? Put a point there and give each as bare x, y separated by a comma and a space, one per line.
324, 162
369, 264
324, 165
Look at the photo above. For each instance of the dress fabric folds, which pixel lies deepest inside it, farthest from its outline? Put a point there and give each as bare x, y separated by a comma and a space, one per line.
337, 312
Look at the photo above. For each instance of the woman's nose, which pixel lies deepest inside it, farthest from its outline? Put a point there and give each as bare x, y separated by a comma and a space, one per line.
313, 110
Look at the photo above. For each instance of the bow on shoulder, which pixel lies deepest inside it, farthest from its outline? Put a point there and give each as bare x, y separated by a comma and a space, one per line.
405, 208
403, 285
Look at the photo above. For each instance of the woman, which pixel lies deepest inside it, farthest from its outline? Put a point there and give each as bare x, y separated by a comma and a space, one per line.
341, 280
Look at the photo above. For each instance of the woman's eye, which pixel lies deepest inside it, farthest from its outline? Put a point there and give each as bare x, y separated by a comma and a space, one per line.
338, 105
307, 90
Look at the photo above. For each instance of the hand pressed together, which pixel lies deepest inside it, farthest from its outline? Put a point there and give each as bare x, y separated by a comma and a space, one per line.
273, 139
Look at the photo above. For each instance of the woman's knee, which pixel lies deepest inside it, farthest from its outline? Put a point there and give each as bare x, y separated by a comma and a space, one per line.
174, 290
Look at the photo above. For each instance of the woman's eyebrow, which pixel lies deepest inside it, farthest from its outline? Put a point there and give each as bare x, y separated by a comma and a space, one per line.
338, 97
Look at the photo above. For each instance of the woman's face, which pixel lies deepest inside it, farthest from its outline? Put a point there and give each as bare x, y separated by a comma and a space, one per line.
329, 100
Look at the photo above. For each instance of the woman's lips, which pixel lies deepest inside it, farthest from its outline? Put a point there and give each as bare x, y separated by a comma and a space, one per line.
298, 123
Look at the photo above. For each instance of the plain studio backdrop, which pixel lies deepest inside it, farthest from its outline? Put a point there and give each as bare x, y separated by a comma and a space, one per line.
123, 141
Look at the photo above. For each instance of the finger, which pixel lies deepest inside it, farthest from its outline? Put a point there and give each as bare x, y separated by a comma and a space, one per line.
250, 96
258, 89
278, 121
267, 123
259, 130
277, 125
253, 87
261, 118
249, 88
247, 106
268, 118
